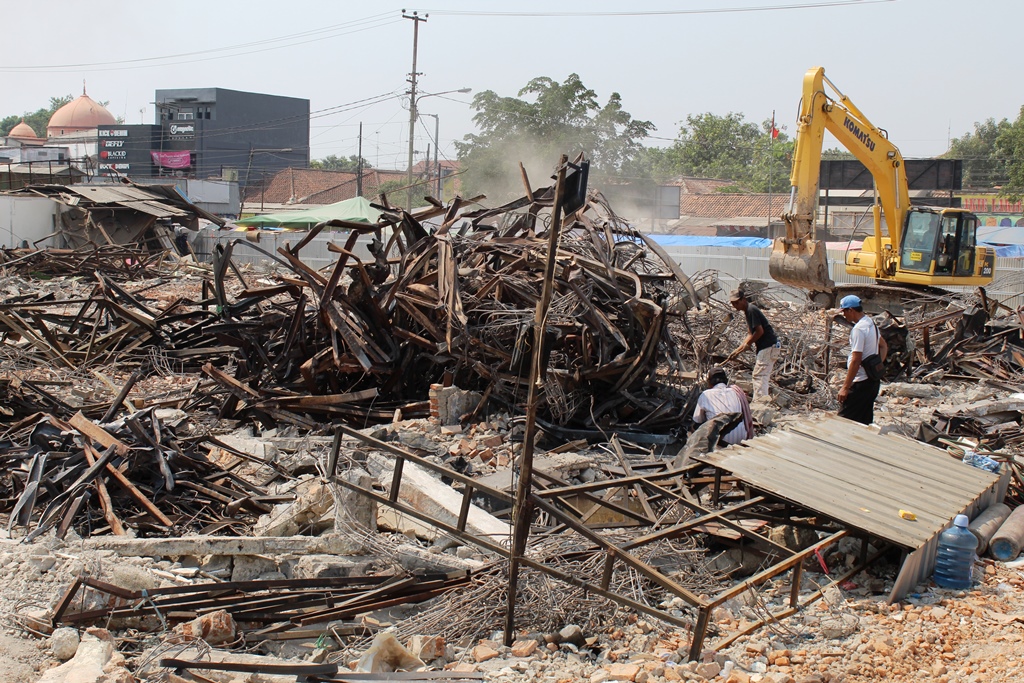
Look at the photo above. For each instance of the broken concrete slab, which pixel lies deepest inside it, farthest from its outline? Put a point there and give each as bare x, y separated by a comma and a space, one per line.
250, 568
449, 404
422, 491
95, 659
561, 465
329, 544
1012, 403
243, 440
328, 566
313, 501
907, 390
413, 558
353, 510
390, 519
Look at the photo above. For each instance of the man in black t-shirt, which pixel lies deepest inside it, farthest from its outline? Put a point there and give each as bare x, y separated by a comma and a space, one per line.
762, 337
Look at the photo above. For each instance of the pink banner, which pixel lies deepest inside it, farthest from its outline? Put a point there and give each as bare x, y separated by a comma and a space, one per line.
172, 159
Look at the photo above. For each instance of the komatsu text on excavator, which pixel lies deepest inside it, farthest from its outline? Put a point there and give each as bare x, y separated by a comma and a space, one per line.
925, 247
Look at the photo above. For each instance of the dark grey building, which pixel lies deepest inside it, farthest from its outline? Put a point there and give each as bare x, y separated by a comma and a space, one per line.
229, 134
125, 149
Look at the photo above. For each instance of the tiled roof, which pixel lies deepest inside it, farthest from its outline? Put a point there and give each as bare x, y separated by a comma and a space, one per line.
717, 205
312, 186
688, 185
446, 164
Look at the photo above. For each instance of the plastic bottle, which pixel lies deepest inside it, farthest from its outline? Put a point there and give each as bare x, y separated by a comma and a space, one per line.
954, 562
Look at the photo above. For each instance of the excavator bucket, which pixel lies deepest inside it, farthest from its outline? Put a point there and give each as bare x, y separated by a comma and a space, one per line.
800, 263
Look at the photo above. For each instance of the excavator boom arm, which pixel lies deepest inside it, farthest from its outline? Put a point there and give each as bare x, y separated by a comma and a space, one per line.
940, 245
820, 111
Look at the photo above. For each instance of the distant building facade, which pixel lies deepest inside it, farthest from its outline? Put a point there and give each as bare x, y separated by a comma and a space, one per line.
229, 134
126, 150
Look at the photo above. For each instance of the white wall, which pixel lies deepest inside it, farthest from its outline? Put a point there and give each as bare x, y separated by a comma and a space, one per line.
732, 263
26, 219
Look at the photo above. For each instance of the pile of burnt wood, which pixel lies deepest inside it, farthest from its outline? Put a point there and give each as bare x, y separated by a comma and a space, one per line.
364, 339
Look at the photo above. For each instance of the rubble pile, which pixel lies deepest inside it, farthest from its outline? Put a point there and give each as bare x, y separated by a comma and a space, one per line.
297, 474
120, 262
133, 476
367, 339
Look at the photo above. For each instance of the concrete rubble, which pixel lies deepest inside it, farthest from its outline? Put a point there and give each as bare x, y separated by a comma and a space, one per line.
266, 518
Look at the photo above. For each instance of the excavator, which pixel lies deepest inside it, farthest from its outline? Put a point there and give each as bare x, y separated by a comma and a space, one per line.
925, 249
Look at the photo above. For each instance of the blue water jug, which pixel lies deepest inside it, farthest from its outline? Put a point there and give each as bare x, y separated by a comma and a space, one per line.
955, 559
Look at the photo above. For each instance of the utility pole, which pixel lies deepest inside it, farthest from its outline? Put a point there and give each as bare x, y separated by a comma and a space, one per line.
771, 162
523, 507
359, 164
437, 165
416, 19
426, 168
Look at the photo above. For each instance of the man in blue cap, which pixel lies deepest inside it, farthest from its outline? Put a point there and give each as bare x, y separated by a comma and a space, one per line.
859, 391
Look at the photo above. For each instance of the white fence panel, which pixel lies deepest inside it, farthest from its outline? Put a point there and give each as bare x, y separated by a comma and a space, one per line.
315, 254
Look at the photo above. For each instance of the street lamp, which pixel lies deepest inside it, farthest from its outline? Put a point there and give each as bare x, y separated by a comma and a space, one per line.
413, 116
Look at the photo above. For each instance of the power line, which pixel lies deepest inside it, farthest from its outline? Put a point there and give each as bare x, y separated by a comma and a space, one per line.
645, 13
377, 21
285, 121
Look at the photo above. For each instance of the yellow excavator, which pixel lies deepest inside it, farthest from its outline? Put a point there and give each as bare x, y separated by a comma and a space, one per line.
925, 248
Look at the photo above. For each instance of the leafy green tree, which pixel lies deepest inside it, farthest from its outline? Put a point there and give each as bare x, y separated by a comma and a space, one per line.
724, 147
836, 153
396, 192
984, 166
336, 163
1009, 150
37, 119
546, 119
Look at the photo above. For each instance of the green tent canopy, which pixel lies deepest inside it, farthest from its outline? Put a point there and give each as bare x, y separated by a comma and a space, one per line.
357, 209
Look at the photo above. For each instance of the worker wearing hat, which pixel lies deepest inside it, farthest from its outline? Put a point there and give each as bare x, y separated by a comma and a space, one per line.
858, 393
762, 337
721, 398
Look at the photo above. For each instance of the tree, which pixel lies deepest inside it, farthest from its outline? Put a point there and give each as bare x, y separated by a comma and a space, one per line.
729, 148
37, 119
396, 189
546, 119
837, 153
984, 166
336, 163
1009, 155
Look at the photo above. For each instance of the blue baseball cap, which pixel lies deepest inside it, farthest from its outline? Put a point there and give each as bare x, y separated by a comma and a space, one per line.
850, 301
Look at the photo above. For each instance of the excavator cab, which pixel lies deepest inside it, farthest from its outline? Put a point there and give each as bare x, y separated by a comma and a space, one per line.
924, 247
940, 242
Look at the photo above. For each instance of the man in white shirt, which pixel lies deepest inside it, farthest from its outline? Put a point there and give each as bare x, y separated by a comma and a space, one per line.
721, 398
858, 393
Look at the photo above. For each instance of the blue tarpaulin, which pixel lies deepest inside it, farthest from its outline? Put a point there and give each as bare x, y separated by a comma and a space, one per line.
1005, 251
1008, 250
708, 241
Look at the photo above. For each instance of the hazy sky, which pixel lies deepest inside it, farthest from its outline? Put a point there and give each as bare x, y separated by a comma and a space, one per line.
924, 70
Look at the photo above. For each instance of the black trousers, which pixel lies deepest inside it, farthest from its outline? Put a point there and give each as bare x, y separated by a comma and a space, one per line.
860, 404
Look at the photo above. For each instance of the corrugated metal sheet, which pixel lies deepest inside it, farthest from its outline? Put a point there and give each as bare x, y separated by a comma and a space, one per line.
861, 478
111, 194
129, 197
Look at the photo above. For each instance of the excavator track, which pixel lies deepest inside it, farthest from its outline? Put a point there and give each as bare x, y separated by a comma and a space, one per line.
885, 296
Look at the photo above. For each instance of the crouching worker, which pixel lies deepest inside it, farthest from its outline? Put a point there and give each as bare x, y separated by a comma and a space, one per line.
720, 398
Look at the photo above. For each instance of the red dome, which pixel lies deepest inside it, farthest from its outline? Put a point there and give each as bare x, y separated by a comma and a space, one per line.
81, 114
23, 131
